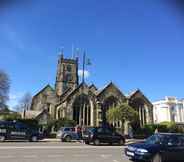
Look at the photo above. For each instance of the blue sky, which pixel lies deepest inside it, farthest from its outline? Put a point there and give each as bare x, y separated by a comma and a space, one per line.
135, 44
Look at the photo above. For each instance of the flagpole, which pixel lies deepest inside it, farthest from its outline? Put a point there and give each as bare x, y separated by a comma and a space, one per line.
84, 61
83, 81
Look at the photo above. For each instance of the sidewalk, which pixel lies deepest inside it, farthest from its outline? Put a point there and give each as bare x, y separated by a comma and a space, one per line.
50, 140
128, 141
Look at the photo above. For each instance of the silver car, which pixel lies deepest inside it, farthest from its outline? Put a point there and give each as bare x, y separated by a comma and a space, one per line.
67, 134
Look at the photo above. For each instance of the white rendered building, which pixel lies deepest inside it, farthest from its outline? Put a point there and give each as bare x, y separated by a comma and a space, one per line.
168, 109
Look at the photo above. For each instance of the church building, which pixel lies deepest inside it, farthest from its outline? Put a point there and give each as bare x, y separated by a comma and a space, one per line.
85, 104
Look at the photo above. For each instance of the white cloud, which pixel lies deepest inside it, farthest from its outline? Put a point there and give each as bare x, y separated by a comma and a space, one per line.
86, 73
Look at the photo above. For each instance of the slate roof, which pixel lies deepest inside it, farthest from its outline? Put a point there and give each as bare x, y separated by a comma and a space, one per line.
132, 94
47, 86
34, 114
30, 114
107, 86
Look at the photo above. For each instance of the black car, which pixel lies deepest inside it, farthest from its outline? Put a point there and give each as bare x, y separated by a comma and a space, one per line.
15, 130
103, 135
160, 147
86, 132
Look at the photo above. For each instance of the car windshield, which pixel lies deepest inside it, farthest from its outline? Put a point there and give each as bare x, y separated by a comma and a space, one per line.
165, 139
90, 129
69, 129
157, 139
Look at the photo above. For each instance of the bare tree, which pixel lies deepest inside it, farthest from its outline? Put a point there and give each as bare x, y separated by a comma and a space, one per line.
24, 103
4, 89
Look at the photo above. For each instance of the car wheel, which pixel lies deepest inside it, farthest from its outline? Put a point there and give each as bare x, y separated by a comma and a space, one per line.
2, 138
34, 138
86, 142
111, 143
62, 140
157, 158
121, 142
96, 142
68, 139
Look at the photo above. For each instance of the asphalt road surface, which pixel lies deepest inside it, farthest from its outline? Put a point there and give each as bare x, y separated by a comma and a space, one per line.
59, 152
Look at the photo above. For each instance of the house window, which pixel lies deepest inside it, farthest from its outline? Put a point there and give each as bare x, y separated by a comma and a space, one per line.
68, 77
48, 107
99, 115
69, 68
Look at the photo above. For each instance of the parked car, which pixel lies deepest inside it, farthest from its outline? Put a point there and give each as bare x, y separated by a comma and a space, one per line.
86, 132
67, 134
160, 147
15, 130
100, 135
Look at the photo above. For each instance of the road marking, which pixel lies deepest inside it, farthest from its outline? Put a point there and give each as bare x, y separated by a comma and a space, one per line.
80, 155
55, 156
105, 156
115, 161
30, 156
6, 157
59, 147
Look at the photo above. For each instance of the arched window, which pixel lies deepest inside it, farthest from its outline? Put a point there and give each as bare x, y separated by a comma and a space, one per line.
82, 110
48, 108
110, 102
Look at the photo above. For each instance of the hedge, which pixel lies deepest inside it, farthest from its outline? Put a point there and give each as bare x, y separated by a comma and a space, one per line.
164, 127
57, 124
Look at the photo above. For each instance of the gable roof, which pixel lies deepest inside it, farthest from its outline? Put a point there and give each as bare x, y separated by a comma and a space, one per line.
132, 94
93, 86
107, 86
42, 113
76, 89
31, 114
65, 92
42, 90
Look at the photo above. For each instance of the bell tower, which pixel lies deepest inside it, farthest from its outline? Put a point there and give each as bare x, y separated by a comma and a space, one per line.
67, 75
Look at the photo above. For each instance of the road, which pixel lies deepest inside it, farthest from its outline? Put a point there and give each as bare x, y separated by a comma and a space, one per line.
59, 152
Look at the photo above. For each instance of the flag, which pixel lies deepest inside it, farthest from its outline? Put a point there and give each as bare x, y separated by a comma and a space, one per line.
88, 61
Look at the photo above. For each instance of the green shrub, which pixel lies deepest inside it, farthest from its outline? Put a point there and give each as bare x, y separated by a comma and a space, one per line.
169, 127
57, 124
140, 133
10, 116
64, 123
150, 129
164, 127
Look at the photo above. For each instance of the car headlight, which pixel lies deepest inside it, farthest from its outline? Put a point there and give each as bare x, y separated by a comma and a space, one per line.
141, 151
130, 148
